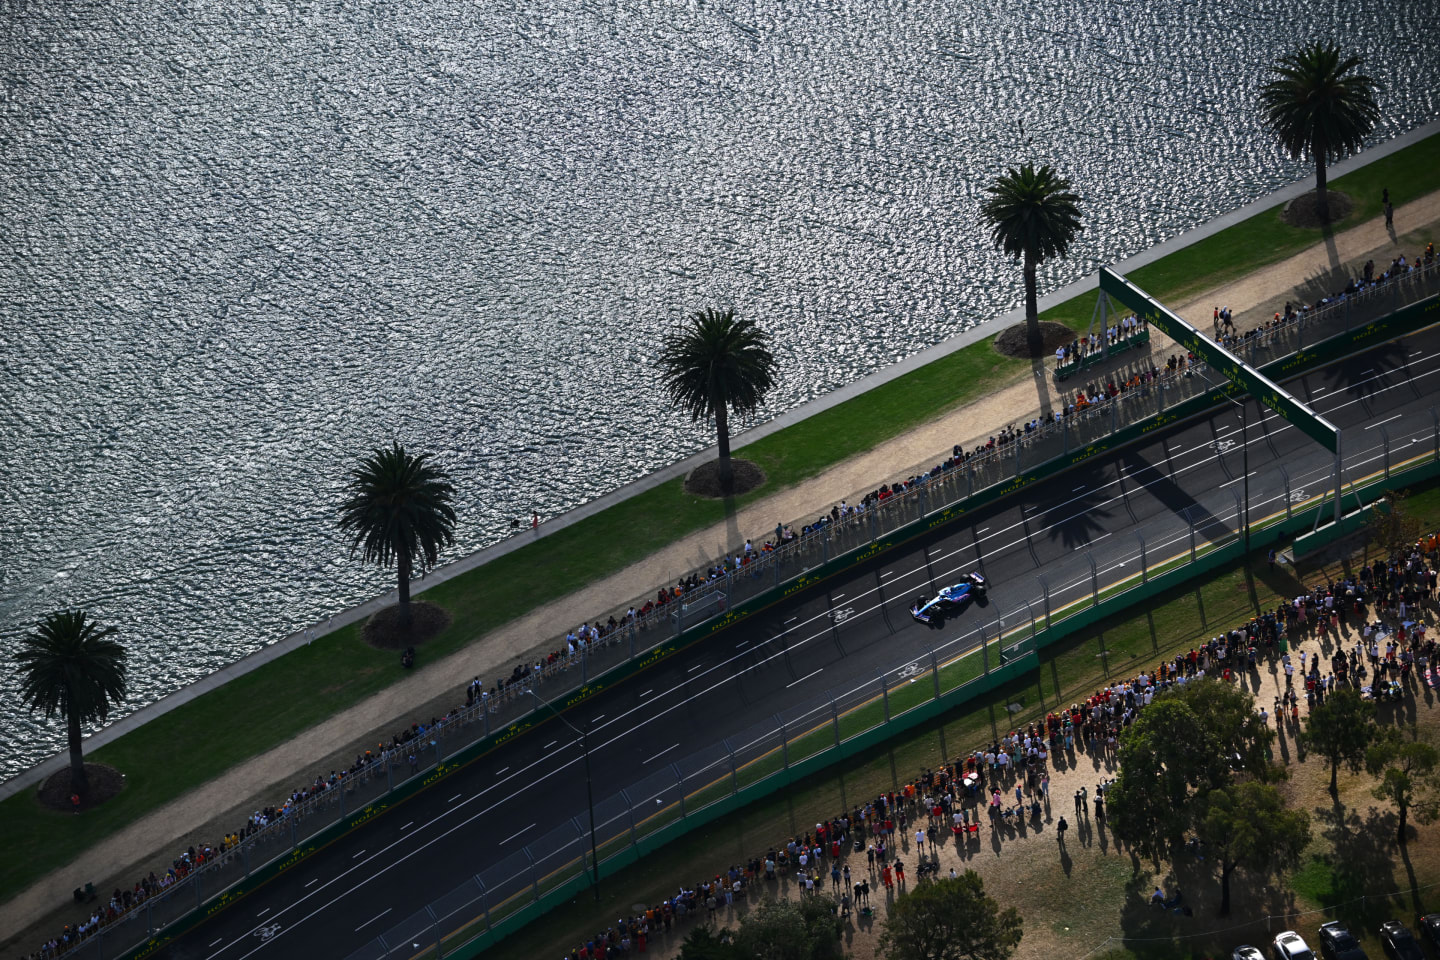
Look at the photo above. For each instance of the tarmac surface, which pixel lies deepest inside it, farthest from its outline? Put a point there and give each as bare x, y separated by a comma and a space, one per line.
829, 641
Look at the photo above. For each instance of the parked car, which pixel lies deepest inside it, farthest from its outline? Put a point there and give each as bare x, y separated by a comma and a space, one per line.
1338, 943
1399, 942
1430, 929
1247, 952
1291, 946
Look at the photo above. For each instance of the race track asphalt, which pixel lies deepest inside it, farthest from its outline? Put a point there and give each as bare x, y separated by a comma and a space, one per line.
828, 640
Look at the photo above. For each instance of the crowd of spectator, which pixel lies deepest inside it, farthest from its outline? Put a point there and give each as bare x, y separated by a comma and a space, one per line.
1086, 346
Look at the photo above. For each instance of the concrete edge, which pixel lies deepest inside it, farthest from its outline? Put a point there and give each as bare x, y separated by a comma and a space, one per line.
806, 410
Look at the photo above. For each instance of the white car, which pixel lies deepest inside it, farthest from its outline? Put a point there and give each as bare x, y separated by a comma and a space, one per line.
1291, 946
1247, 952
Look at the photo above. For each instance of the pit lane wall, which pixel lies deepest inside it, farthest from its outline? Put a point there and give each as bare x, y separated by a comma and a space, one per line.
1404, 321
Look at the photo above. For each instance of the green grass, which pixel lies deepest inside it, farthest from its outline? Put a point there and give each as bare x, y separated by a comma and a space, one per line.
1117, 647
253, 714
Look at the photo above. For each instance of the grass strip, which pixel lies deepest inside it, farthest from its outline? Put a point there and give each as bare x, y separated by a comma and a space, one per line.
252, 714
1117, 647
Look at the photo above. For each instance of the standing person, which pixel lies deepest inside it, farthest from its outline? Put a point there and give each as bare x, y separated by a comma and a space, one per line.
1389, 214
1060, 829
1079, 804
535, 521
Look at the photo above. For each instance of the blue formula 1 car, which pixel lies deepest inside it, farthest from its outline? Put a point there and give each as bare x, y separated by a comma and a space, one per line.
949, 599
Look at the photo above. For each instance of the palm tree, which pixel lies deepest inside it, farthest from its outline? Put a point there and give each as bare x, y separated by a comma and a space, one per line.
70, 665
714, 365
398, 512
1317, 104
1032, 215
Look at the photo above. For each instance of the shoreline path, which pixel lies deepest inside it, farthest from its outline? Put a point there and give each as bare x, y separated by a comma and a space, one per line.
211, 810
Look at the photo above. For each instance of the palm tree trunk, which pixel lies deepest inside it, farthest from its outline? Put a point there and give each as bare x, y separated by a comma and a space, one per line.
722, 430
1334, 776
79, 782
402, 566
1322, 202
1033, 342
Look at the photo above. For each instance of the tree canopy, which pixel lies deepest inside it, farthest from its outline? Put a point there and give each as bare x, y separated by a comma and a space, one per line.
1192, 739
1033, 215
398, 511
714, 366
1317, 104
803, 929
950, 919
1341, 730
1409, 777
73, 667
1247, 824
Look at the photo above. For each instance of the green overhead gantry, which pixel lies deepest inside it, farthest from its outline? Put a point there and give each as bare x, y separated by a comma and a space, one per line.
1222, 360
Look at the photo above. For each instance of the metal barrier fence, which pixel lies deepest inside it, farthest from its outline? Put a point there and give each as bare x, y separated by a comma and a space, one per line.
936, 489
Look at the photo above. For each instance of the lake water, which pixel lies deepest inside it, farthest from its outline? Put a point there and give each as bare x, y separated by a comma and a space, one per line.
247, 241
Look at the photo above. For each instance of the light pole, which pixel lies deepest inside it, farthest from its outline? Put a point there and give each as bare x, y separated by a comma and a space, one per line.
589, 789
1244, 461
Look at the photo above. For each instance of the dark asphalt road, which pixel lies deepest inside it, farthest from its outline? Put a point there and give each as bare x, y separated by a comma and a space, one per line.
833, 638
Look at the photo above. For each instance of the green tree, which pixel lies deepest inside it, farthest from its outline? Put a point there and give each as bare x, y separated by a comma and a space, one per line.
1247, 824
703, 943
1192, 739
714, 366
950, 920
1033, 215
1407, 771
1317, 104
398, 512
1340, 730
804, 929
74, 667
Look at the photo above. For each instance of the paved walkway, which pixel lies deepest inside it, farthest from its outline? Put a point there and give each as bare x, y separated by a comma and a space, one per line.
205, 812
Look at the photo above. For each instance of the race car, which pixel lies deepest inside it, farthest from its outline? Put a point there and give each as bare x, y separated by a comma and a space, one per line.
949, 599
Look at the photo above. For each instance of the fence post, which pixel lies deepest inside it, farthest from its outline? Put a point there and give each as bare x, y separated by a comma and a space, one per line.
534, 875
734, 767
984, 650
1435, 426
1030, 612
435, 926
680, 789
1045, 592
784, 742
484, 900
1064, 433
1385, 440
1191, 521
1094, 579
884, 693
970, 472
935, 670
834, 716
1289, 504
1144, 560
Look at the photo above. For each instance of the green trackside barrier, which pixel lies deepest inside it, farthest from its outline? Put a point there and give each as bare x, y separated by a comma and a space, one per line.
1070, 369
1403, 321
860, 743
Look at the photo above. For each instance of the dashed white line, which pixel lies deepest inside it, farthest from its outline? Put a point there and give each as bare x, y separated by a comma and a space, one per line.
1078, 489
1238, 479
741, 644
213, 944
373, 919
1417, 353
598, 718
312, 883
454, 798
1387, 420
803, 679
497, 773
694, 668
838, 596
1319, 389
263, 912
514, 835
1364, 373
412, 822
550, 744
981, 530
360, 854
886, 574
1101, 537
663, 752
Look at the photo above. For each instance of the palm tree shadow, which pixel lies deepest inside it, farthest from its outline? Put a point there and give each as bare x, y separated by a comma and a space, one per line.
1158, 484
1358, 375
1076, 522
1042, 386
